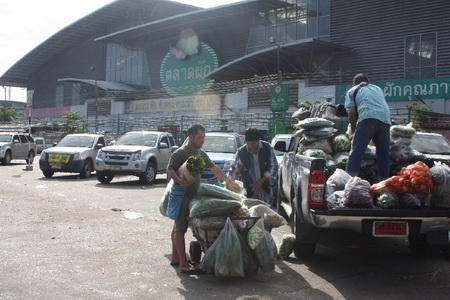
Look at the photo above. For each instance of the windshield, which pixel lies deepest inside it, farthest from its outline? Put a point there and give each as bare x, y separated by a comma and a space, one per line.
221, 144
138, 139
430, 144
77, 141
5, 138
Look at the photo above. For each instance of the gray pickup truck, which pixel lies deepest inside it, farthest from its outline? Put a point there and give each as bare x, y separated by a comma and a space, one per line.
140, 153
301, 199
15, 145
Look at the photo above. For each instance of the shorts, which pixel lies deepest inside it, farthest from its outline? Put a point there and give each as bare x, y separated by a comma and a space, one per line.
181, 224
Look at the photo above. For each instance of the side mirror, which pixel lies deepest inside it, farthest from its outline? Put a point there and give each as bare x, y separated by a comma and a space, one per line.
99, 146
280, 146
54, 144
173, 148
163, 146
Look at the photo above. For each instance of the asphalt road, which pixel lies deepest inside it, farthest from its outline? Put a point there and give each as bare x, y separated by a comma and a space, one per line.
72, 238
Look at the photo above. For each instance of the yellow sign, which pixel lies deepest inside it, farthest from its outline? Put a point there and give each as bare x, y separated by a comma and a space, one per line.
197, 103
58, 159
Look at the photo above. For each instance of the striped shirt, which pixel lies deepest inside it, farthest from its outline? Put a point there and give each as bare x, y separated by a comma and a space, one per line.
370, 103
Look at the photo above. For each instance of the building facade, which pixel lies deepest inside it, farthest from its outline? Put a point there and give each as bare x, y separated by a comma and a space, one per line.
150, 64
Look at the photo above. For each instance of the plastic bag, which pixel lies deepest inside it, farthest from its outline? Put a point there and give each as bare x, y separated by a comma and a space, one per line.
271, 218
335, 200
256, 233
336, 182
317, 132
401, 152
209, 207
250, 202
317, 153
314, 123
165, 199
440, 193
287, 246
340, 159
175, 200
357, 193
266, 253
322, 144
341, 143
228, 262
388, 200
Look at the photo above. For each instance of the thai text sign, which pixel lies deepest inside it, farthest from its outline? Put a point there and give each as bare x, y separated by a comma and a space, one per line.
407, 90
197, 103
186, 77
279, 97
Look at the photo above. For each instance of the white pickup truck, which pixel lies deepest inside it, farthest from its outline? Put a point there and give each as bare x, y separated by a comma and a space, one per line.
140, 153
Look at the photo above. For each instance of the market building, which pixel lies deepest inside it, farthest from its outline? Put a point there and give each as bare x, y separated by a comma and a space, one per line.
148, 64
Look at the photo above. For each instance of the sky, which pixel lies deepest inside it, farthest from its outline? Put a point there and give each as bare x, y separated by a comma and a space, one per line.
24, 24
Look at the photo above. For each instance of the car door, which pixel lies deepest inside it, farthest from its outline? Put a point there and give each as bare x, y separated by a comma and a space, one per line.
163, 152
17, 147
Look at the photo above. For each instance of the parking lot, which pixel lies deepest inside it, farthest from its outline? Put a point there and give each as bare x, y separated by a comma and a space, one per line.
71, 238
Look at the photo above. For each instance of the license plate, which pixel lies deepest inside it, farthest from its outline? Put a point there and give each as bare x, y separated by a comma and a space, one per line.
56, 167
114, 167
390, 228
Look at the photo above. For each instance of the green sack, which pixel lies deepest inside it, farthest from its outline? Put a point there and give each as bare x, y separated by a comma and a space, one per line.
208, 207
287, 246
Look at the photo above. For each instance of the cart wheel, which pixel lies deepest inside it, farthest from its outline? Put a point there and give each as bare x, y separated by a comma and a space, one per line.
195, 251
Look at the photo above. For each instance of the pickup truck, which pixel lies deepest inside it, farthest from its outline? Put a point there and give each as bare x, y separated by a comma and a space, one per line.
301, 199
14, 145
140, 153
75, 153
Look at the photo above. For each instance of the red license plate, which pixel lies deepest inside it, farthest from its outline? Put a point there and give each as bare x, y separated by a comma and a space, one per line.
393, 228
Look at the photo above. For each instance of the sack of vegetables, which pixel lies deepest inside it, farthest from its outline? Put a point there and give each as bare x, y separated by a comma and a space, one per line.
192, 168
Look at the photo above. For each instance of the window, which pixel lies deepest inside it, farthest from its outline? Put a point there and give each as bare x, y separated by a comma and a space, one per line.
299, 20
420, 56
23, 139
126, 65
59, 95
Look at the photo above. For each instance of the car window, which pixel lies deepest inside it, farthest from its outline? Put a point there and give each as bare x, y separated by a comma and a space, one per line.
23, 139
39, 141
5, 138
138, 138
172, 141
164, 140
77, 141
101, 141
16, 138
221, 144
430, 144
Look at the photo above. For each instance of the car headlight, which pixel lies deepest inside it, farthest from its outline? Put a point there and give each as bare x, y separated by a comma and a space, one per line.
43, 155
76, 156
227, 166
137, 156
100, 154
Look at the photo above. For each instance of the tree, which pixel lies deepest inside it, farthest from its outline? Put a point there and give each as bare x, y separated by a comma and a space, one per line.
416, 112
8, 113
74, 123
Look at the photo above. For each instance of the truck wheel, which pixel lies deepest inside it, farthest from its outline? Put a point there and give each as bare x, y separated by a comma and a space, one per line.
86, 170
195, 252
48, 174
30, 158
104, 177
149, 175
7, 159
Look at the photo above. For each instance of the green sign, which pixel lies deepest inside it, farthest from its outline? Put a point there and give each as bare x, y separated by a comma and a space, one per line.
406, 90
184, 77
279, 97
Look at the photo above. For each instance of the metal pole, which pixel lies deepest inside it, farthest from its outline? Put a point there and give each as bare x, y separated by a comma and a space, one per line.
96, 105
279, 79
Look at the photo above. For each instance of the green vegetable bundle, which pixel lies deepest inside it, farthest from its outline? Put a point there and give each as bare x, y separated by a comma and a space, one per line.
201, 207
214, 191
196, 165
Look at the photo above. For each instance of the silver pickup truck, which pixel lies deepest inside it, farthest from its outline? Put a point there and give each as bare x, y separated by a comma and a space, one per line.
301, 199
140, 153
15, 145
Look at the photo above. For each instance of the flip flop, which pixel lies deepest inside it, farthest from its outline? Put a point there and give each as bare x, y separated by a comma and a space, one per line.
193, 271
175, 264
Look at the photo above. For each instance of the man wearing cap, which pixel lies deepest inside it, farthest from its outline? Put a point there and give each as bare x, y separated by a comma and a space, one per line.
256, 166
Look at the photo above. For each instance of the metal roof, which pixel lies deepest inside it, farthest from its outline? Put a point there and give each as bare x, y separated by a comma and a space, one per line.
201, 15
64, 39
104, 85
259, 60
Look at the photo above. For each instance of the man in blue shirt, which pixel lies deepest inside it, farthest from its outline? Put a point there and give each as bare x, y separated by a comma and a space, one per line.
369, 118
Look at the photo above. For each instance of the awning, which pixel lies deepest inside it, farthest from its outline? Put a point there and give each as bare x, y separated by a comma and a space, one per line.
104, 85
295, 57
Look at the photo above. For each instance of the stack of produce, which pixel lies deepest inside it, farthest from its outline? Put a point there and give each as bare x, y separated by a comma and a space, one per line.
401, 139
440, 193
314, 133
192, 168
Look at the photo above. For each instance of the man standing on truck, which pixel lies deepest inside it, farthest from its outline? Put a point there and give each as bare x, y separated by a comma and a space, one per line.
368, 114
196, 135
256, 165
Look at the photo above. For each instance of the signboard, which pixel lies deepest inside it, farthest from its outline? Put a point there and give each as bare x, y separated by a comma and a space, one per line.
183, 77
279, 97
406, 90
30, 94
187, 103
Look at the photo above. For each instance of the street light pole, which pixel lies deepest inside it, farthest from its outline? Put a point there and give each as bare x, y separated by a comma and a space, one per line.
96, 99
273, 41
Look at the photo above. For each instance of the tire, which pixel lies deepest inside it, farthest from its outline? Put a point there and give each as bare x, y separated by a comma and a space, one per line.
48, 174
305, 237
30, 158
104, 177
149, 175
195, 252
87, 169
7, 159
